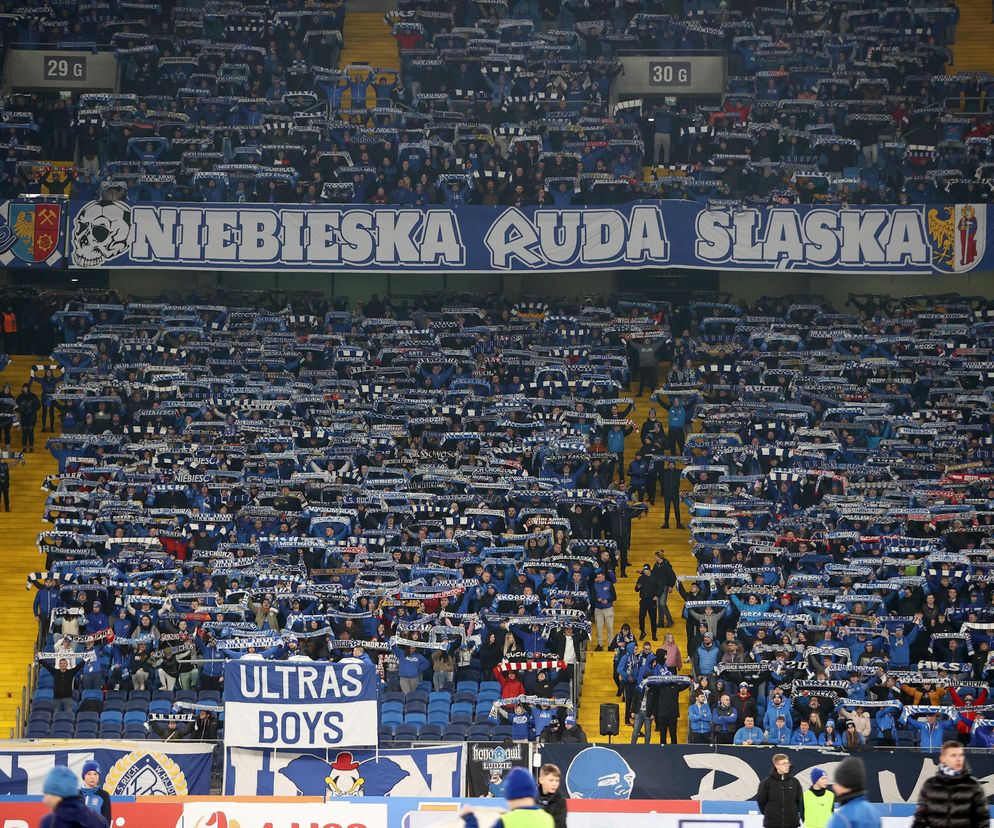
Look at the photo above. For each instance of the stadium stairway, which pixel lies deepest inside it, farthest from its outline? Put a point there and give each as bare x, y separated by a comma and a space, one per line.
368, 41
974, 34
647, 538
19, 530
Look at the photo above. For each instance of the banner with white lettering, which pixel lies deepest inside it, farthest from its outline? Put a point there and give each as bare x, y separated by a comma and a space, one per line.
292, 704
429, 771
946, 238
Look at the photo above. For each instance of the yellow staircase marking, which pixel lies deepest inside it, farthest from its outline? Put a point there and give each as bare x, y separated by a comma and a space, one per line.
647, 539
974, 36
367, 41
19, 530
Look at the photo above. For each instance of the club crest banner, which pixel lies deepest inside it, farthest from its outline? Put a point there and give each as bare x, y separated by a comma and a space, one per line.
299, 704
431, 771
947, 238
32, 232
128, 768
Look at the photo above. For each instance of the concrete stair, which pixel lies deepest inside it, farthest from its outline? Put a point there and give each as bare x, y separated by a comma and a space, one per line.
367, 41
972, 51
647, 539
19, 530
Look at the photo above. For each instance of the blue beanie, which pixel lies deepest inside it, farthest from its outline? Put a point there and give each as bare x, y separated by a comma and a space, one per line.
817, 774
520, 785
90, 765
61, 782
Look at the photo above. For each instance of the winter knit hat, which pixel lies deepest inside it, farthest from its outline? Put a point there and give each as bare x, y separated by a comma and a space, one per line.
519, 785
88, 766
851, 774
61, 782
816, 774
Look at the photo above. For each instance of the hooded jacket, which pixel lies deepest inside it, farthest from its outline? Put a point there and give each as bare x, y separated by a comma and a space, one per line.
951, 802
780, 798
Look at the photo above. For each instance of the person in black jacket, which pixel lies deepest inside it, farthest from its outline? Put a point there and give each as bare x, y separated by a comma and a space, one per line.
63, 675
646, 587
952, 798
27, 413
665, 579
5, 485
550, 795
665, 704
780, 797
669, 484
572, 733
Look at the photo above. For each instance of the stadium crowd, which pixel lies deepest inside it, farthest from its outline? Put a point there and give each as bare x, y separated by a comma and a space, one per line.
842, 521
507, 104
433, 489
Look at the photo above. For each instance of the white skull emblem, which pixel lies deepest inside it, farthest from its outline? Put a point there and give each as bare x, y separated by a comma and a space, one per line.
100, 233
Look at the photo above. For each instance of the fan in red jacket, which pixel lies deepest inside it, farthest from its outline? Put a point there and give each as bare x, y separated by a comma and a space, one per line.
967, 700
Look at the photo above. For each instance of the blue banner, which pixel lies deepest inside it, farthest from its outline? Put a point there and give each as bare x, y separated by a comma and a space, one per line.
127, 768
300, 704
701, 772
947, 238
430, 771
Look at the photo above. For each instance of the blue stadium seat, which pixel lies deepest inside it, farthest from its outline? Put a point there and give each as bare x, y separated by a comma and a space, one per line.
43, 693
163, 695
188, 696
415, 707
112, 717
455, 733
490, 687
478, 732
460, 718
462, 707
159, 706
393, 695
134, 717
140, 695
392, 718
439, 717
440, 696
406, 733
431, 732
38, 730
391, 706
465, 696
207, 696
96, 695
415, 719
467, 686
500, 733
419, 695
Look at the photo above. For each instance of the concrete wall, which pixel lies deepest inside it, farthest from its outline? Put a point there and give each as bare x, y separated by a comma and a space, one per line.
358, 287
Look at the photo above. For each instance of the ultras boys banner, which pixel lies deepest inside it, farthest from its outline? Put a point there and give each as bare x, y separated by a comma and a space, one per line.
128, 768
947, 238
297, 704
733, 773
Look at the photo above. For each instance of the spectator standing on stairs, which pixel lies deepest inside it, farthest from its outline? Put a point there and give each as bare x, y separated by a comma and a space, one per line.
646, 586
5, 486
604, 598
646, 352
669, 483
665, 578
